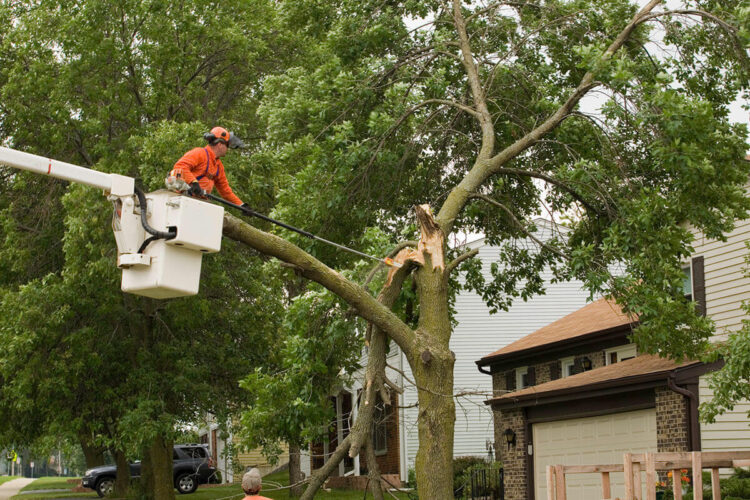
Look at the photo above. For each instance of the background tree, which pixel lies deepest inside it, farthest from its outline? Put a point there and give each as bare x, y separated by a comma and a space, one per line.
479, 113
109, 85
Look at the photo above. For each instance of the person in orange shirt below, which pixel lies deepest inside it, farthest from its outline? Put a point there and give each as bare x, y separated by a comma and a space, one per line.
252, 484
201, 168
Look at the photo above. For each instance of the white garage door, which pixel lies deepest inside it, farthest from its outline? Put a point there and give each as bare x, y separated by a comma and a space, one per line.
591, 440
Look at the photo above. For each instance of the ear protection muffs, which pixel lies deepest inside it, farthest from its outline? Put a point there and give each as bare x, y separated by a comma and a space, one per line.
222, 134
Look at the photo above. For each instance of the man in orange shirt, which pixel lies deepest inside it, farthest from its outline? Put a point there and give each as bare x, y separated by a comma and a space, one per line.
252, 484
201, 168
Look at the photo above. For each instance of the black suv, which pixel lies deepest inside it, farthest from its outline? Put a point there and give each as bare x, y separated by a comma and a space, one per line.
191, 466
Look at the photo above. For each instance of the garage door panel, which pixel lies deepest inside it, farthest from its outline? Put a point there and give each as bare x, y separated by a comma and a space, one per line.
592, 440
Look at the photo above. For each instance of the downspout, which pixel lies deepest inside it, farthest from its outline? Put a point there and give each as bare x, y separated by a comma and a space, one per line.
484, 370
693, 426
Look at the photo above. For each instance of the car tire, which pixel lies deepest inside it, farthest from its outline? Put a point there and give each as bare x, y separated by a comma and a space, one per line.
186, 483
105, 486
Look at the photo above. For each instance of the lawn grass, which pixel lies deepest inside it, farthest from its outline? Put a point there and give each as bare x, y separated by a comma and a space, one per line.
57, 494
51, 483
5, 479
272, 485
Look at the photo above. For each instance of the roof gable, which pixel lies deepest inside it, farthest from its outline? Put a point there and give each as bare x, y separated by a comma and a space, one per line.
598, 316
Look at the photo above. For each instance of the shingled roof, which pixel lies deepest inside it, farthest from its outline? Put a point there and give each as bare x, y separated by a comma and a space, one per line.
598, 316
632, 371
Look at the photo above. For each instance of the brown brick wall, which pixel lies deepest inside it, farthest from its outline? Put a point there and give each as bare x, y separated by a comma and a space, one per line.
671, 421
513, 457
389, 463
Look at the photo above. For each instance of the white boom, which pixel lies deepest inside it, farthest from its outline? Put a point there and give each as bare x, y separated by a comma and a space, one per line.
157, 267
117, 185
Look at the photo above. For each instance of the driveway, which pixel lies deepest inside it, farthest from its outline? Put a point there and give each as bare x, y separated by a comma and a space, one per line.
11, 488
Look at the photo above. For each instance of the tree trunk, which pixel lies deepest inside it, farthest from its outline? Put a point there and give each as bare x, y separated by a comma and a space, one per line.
94, 454
437, 415
432, 365
295, 471
122, 481
156, 471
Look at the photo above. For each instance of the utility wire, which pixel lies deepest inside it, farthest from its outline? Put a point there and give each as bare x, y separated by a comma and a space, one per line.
248, 211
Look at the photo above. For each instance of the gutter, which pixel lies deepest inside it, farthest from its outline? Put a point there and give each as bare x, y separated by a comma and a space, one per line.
592, 389
693, 425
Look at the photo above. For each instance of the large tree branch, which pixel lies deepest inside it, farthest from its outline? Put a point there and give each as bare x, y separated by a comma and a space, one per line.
319, 476
486, 167
375, 377
373, 472
484, 116
365, 304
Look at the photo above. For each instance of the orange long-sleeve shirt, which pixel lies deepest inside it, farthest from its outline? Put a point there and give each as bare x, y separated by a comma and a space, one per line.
202, 165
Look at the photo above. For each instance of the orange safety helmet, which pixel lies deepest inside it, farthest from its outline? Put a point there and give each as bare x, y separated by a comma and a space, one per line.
222, 134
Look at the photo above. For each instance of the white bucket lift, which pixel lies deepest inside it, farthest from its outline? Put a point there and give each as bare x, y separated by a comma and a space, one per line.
163, 268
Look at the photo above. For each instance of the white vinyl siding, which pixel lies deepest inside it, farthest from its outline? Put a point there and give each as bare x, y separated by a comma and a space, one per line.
591, 440
478, 334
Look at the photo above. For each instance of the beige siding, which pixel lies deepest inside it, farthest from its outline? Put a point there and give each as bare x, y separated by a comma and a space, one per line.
254, 458
727, 285
731, 431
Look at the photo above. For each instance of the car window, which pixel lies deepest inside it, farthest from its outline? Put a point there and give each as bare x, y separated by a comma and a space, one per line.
197, 452
175, 455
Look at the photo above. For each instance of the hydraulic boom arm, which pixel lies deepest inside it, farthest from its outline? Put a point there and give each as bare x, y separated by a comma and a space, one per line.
166, 264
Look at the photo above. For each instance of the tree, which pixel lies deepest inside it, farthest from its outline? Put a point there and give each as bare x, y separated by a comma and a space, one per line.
289, 399
481, 112
111, 85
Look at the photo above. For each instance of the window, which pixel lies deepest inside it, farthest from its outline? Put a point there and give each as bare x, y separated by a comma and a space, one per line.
522, 377
687, 282
619, 354
380, 428
566, 366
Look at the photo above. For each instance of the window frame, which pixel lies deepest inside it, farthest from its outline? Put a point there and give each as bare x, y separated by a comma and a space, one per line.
566, 363
520, 373
380, 428
623, 352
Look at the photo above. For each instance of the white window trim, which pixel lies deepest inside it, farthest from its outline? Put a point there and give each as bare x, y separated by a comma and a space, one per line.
520, 372
623, 351
689, 267
564, 364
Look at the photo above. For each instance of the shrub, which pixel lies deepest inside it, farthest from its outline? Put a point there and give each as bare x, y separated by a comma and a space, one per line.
460, 465
490, 486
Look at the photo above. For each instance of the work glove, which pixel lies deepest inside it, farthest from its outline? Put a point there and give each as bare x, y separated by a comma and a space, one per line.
196, 190
246, 207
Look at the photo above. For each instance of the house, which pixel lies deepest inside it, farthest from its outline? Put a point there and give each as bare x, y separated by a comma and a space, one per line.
577, 392
230, 462
476, 329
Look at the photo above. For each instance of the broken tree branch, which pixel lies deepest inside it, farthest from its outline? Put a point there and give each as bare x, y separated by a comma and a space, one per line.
319, 476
